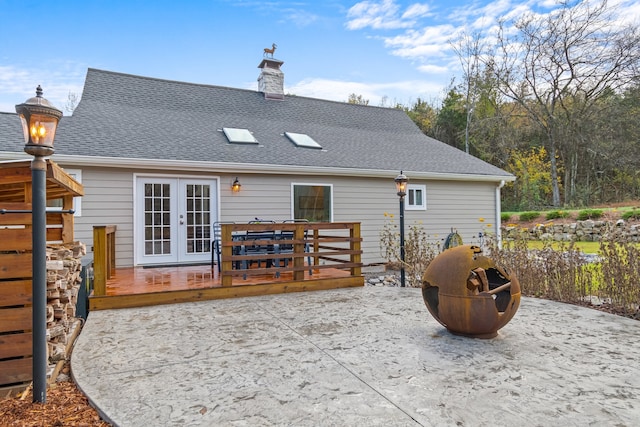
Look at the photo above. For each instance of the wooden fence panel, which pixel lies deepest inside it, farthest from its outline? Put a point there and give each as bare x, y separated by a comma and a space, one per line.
16, 218
15, 292
16, 370
15, 239
16, 345
15, 319
16, 266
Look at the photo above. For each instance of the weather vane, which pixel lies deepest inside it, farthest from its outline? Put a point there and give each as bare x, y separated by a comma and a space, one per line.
269, 52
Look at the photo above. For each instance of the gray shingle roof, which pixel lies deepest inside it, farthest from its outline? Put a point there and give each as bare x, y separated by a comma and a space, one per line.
130, 116
11, 138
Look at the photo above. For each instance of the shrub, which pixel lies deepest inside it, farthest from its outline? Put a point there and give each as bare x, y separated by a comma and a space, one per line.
589, 214
556, 214
619, 275
419, 249
550, 272
632, 214
505, 217
562, 273
529, 216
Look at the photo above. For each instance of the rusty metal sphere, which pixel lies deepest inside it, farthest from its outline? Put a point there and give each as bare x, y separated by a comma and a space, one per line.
468, 293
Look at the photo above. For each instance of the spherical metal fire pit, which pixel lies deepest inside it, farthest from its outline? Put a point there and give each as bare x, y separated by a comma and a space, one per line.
468, 293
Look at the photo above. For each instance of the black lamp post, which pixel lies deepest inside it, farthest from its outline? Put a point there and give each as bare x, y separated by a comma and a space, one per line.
39, 121
401, 185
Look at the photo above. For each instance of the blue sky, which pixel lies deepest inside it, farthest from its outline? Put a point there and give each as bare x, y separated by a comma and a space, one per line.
396, 49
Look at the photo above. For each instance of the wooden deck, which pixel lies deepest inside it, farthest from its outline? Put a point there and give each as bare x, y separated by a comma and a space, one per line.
320, 256
139, 287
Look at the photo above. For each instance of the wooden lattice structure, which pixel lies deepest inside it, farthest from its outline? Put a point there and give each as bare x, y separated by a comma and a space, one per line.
16, 257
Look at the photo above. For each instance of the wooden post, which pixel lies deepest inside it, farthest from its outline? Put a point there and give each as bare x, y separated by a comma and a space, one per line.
104, 257
67, 219
355, 246
298, 249
111, 248
316, 246
99, 260
226, 237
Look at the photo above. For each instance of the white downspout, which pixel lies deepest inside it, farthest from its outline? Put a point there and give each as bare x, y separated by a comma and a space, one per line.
498, 212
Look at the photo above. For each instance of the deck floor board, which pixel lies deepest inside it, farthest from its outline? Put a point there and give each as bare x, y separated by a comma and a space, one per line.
139, 286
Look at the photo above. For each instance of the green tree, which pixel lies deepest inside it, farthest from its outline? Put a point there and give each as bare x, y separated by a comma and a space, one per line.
452, 119
558, 67
423, 115
357, 99
532, 188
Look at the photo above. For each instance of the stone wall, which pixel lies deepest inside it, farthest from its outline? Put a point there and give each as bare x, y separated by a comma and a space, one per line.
584, 231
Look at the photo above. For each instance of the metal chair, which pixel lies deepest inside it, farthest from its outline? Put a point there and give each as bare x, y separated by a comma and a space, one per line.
217, 243
252, 248
287, 248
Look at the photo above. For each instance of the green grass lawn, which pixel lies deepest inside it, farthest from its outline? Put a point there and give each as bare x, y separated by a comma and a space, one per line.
584, 247
573, 213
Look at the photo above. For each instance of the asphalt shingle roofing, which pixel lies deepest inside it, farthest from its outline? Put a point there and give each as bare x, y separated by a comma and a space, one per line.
137, 117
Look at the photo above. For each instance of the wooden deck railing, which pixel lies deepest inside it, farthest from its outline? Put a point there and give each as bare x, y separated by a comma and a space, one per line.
313, 246
104, 257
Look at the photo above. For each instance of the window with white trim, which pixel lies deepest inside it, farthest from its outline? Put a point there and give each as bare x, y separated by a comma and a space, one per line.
313, 202
416, 198
77, 201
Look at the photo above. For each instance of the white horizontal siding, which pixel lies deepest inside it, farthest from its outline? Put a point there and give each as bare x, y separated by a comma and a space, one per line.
108, 200
261, 196
450, 204
457, 205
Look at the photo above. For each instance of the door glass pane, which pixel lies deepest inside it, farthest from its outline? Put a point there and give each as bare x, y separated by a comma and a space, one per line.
157, 218
197, 216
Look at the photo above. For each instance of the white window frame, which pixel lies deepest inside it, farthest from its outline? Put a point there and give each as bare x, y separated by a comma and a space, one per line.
413, 206
77, 201
76, 174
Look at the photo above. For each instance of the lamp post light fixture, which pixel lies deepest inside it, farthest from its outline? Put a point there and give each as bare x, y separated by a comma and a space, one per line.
39, 121
401, 185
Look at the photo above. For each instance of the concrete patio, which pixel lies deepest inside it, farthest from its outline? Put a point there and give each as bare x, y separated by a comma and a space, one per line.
370, 356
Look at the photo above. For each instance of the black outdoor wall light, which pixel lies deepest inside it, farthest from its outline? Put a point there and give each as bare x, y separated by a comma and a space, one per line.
235, 187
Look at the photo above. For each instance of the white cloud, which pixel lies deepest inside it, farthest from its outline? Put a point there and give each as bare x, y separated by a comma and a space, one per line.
427, 42
627, 11
498, 8
383, 15
433, 69
403, 92
548, 3
417, 10
300, 18
57, 81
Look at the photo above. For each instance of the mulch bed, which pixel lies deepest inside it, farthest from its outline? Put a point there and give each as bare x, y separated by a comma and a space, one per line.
65, 406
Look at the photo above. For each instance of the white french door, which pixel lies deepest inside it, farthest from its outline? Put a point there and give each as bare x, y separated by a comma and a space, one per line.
174, 218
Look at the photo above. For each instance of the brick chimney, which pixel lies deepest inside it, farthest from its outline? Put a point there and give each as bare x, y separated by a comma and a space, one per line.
271, 79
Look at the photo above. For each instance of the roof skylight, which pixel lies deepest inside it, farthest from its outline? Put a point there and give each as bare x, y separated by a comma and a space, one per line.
239, 136
302, 140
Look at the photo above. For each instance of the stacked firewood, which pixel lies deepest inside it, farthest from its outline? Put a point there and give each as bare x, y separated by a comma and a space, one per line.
64, 267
